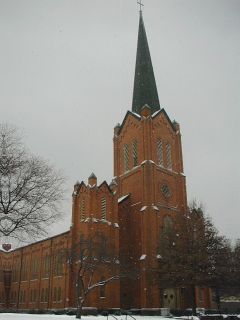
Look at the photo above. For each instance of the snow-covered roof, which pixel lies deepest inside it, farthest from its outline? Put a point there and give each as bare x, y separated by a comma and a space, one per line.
155, 113
123, 198
136, 114
145, 161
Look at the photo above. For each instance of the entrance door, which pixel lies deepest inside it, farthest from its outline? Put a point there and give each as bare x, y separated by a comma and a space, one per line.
169, 298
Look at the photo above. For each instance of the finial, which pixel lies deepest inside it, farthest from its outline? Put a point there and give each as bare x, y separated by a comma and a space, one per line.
92, 180
140, 5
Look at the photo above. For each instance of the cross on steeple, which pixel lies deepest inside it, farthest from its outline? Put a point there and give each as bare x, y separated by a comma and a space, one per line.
140, 5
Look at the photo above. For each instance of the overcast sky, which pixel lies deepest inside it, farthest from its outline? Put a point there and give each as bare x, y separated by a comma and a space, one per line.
66, 79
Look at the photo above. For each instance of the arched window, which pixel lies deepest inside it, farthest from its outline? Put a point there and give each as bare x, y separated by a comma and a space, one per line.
58, 264
167, 223
47, 262
24, 269
82, 209
103, 208
46, 294
167, 236
135, 153
169, 156
160, 152
102, 292
35, 295
35, 267
126, 157
42, 295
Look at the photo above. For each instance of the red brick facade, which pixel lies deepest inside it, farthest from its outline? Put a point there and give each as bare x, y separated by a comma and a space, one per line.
149, 185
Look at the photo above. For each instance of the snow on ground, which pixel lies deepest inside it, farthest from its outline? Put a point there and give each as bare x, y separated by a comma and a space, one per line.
15, 316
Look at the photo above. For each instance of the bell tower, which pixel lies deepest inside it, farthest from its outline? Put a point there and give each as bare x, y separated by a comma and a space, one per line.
148, 167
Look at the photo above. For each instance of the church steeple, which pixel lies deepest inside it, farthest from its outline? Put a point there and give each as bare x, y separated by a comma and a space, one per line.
145, 89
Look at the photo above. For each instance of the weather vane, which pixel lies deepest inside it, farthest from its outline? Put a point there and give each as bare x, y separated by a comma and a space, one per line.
140, 5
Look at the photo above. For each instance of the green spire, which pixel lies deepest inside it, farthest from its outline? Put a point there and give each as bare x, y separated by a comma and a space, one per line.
145, 89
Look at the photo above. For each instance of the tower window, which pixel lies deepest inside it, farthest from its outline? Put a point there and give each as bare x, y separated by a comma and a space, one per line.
135, 153
82, 209
167, 223
169, 156
160, 152
103, 208
166, 191
126, 157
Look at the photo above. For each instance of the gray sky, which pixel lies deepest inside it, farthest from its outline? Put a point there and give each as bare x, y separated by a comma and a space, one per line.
66, 78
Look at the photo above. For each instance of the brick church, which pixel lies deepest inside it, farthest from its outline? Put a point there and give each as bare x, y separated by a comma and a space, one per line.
147, 192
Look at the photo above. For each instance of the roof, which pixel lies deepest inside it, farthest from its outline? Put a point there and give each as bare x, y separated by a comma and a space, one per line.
145, 89
92, 176
35, 243
137, 117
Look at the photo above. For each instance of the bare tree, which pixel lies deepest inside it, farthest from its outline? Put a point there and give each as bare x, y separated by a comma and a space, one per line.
94, 263
30, 189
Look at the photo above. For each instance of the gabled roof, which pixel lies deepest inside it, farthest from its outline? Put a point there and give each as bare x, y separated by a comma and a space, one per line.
129, 113
81, 185
162, 111
77, 188
145, 89
138, 117
106, 184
